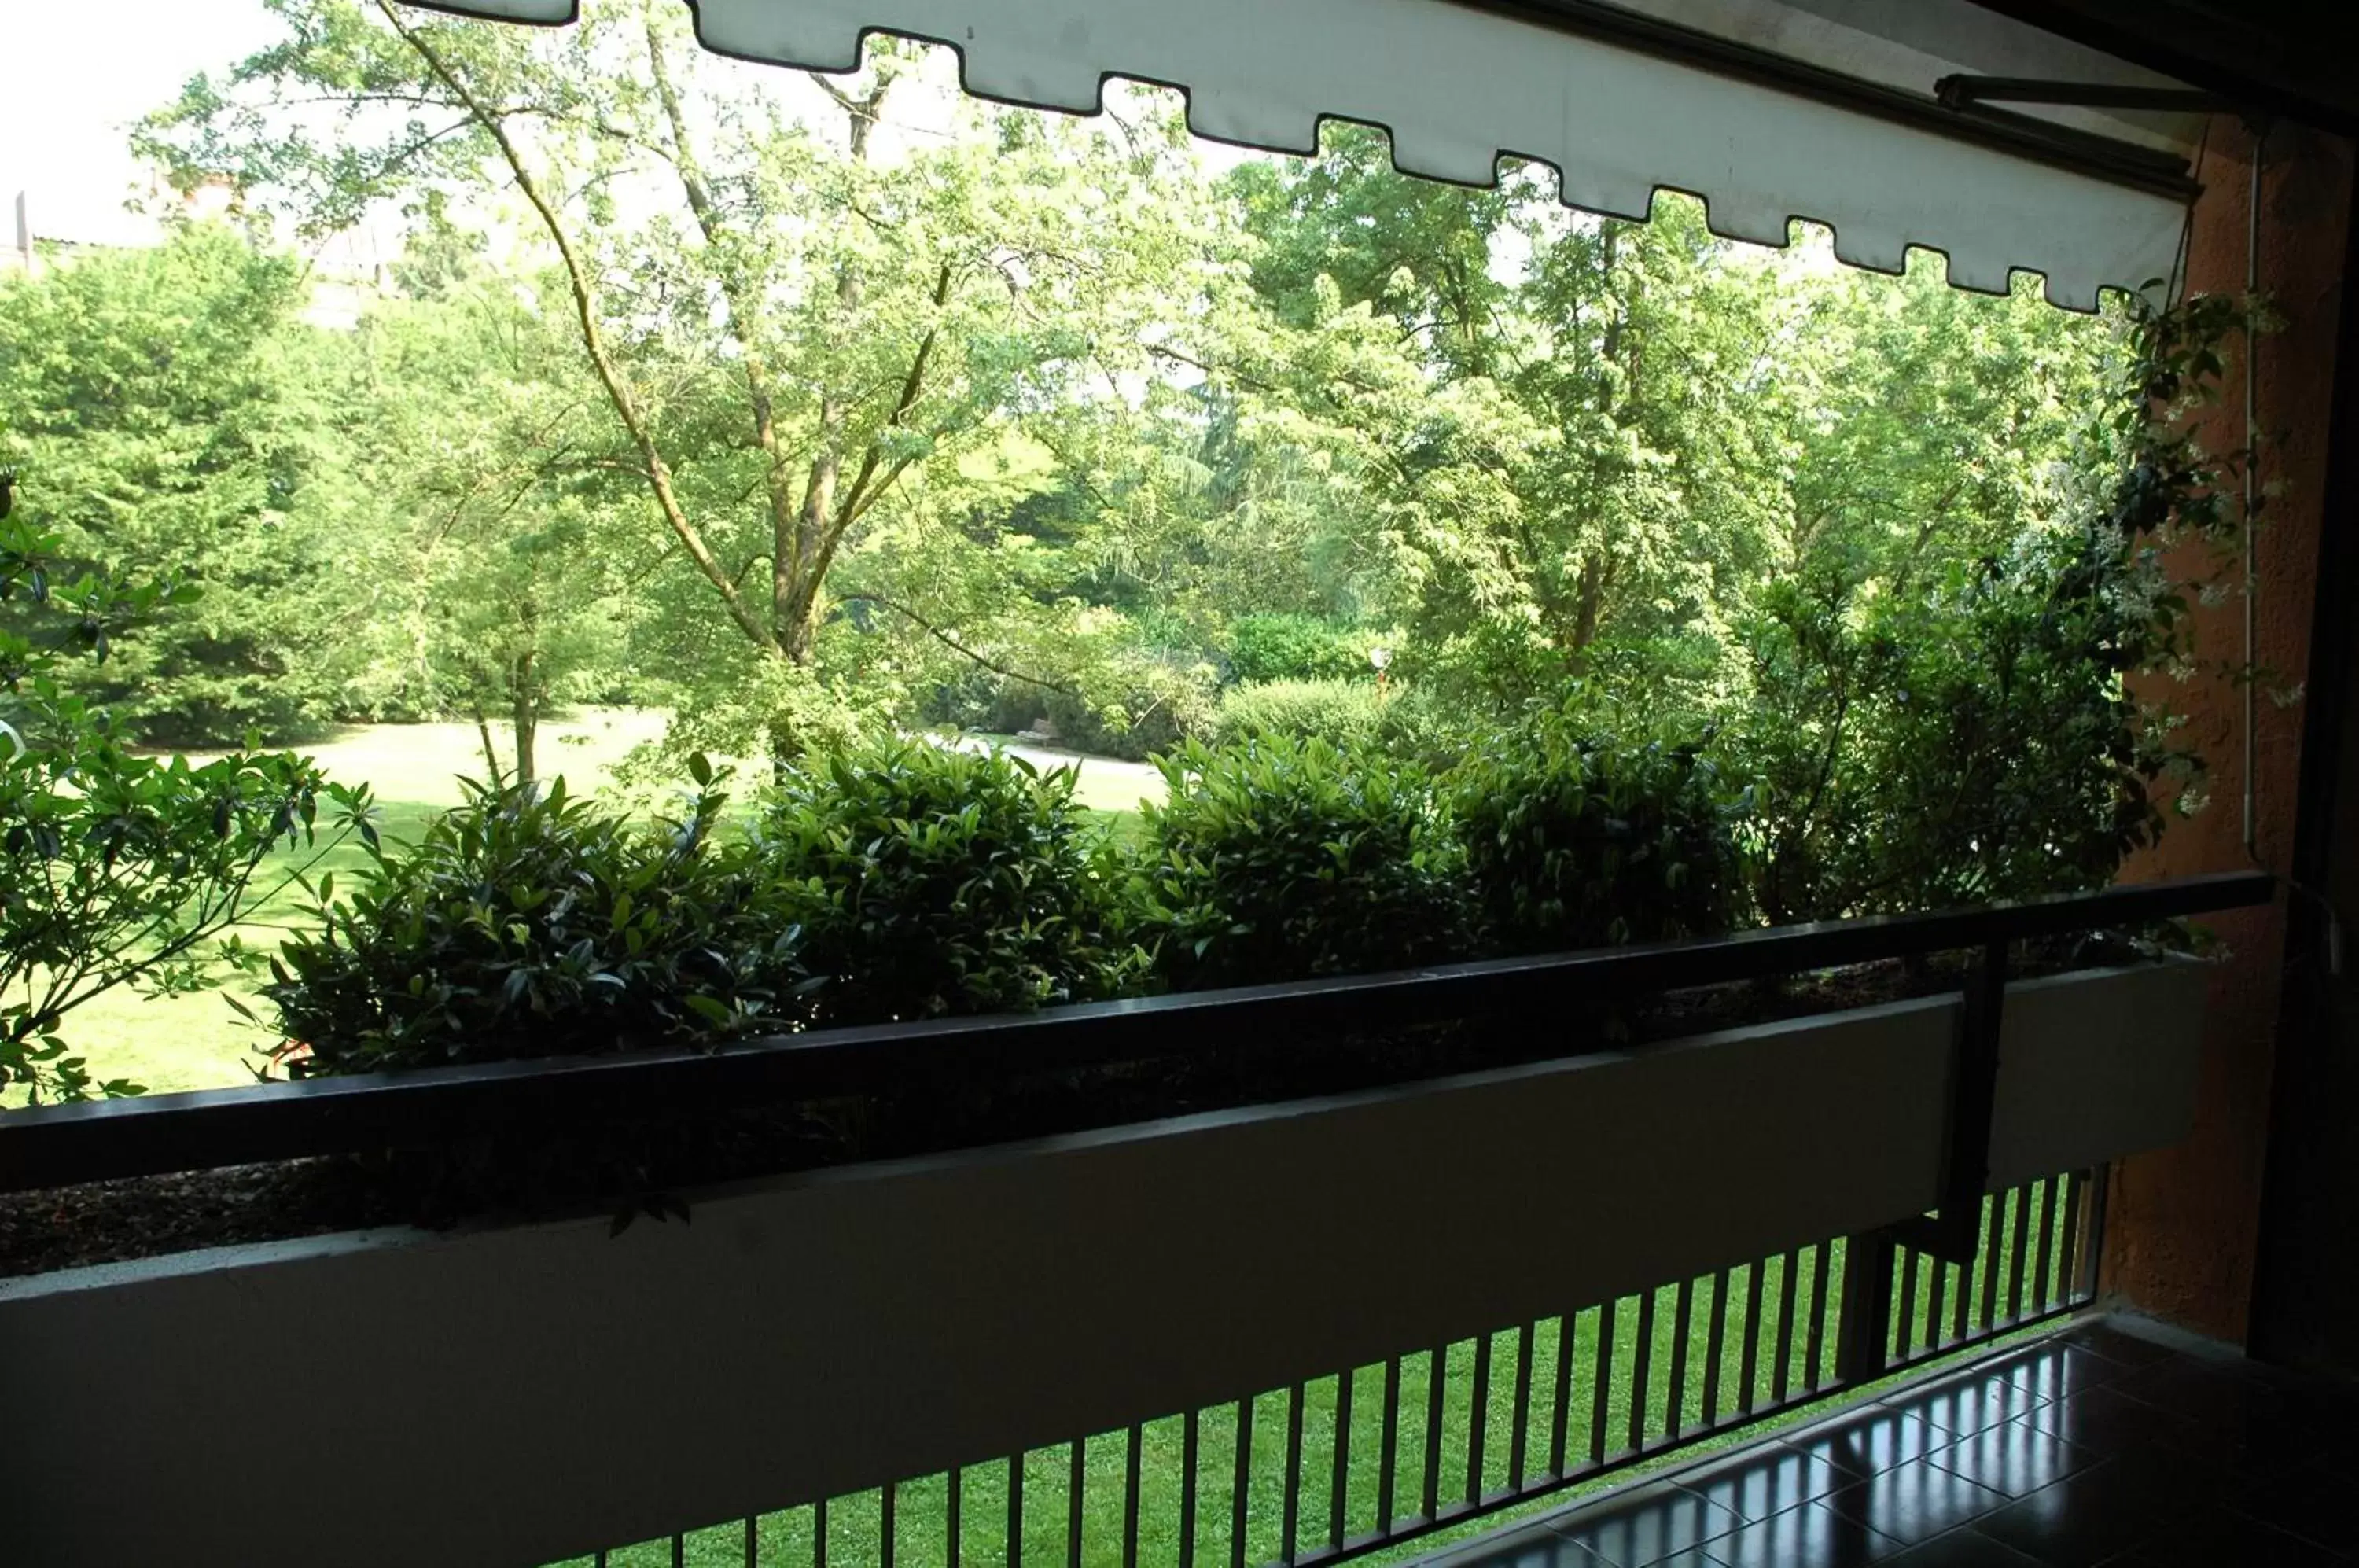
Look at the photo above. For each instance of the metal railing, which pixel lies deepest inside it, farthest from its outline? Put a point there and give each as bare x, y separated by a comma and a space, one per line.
57, 1146
1365, 1458
1379, 1457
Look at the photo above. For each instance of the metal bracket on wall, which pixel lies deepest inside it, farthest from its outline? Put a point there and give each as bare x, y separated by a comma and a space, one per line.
1967, 92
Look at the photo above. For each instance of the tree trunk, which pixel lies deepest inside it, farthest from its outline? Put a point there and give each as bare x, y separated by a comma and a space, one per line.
491, 750
524, 715
798, 554
1589, 601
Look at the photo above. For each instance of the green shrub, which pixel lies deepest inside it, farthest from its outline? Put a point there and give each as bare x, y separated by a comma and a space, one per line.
938, 882
1295, 648
1279, 858
1348, 715
1133, 722
527, 924
1576, 842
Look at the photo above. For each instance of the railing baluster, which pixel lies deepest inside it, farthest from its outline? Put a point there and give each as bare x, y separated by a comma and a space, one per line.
2024, 1282
1642, 1355
1478, 1417
1788, 1284
2052, 1209
1751, 1363
1601, 1393
1991, 1261
2018, 1252
1715, 1347
2092, 1249
1014, 1510
1567, 1337
818, 1536
1904, 1328
1962, 1303
888, 1526
1188, 1440
678, 1551
1815, 1371
2076, 1185
953, 1548
1675, 1399
1076, 1475
1439, 1370
1130, 1498
1292, 1514
1339, 1485
1518, 1438
1822, 1269
1241, 1490
1388, 1454
1937, 1300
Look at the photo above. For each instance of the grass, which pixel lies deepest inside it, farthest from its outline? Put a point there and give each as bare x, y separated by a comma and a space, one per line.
921, 1513
199, 1041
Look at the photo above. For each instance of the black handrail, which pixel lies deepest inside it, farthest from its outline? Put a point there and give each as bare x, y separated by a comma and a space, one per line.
61, 1145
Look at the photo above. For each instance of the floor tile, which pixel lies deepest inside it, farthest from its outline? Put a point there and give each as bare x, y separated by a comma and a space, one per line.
2105, 1420
2053, 1370
2094, 1450
1528, 1547
1967, 1548
1962, 1405
2092, 1514
2239, 1424
1876, 1440
1766, 1481
1916, 1501
2113, 1344
1812, 1536
2014, 1458
1647, 1530
2225, 1541
2319, 1505
2206, 1393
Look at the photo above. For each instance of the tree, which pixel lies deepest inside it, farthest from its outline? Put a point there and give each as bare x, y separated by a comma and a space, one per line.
164, 399
518, 539
788, 324
116, 870
1572, 451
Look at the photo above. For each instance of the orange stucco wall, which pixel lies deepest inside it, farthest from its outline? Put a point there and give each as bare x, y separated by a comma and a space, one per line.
2182, 1223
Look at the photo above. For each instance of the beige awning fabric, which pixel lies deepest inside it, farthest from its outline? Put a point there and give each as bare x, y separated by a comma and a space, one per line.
1753, 126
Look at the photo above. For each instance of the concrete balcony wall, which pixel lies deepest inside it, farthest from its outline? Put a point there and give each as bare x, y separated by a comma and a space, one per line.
518, 1395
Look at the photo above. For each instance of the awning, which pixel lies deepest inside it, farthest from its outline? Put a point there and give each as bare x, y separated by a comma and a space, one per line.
1768, 110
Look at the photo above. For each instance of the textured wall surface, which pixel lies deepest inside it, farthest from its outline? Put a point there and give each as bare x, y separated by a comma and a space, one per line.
2184, 1222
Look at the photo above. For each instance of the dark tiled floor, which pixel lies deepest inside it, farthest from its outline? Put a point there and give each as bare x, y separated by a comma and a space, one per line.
2098, 1447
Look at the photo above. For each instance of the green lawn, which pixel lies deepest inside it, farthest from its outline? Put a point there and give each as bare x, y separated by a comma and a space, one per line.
200, 1043
921, 1514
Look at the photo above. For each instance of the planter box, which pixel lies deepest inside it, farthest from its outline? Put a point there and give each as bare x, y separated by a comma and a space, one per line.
514, 1395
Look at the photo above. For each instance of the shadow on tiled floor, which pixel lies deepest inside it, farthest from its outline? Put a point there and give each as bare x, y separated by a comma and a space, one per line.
2098, 1446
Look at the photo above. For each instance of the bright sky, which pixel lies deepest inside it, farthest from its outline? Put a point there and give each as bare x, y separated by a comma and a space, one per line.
73, 83
76, 74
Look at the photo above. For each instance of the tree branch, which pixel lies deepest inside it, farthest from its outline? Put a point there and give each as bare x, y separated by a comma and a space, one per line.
948, 641
585, 309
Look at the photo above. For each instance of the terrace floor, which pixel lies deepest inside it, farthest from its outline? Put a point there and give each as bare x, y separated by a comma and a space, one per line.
2101, 1444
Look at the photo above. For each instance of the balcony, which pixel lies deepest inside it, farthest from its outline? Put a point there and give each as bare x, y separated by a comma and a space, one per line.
1329, 1326
2109, 1441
